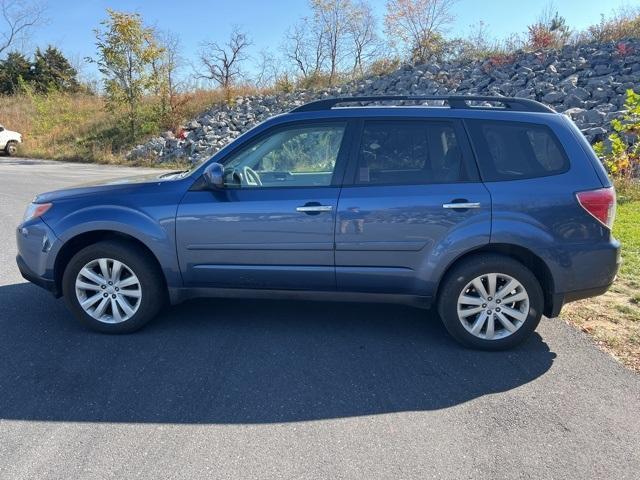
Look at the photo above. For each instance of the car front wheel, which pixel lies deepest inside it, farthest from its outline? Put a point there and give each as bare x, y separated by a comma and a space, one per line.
113, 287
490, 302
11, 148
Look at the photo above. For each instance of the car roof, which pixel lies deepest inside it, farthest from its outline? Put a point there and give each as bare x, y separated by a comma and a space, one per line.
400, 112
449, 106
457, 102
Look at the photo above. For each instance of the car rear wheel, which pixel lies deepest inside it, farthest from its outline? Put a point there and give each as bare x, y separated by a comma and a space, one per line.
113, 287
11, 148
490, 302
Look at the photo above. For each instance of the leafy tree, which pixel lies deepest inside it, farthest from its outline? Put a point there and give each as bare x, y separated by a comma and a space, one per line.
127, 50
620, 153
52, 71
15, 70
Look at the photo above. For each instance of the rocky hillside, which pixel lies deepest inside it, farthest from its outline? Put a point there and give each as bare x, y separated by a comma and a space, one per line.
586, 82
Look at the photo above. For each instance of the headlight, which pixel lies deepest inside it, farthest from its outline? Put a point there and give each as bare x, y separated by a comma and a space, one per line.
36, 210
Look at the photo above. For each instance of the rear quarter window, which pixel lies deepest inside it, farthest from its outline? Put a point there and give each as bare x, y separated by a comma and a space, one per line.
515, 151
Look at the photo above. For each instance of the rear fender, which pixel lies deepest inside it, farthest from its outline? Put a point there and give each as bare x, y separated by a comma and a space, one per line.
464, 239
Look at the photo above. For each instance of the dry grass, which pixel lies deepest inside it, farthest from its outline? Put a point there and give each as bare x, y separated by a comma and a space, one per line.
613, 320
78, 127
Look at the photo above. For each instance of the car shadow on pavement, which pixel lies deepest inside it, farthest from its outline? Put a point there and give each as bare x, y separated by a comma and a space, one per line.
241, 361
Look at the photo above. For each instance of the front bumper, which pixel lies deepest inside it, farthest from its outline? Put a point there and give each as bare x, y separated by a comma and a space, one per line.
35, 241
32, 277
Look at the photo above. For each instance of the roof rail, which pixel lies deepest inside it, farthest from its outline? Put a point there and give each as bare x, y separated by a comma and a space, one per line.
454, 101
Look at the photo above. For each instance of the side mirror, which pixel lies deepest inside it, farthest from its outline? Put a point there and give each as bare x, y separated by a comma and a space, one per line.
214, 176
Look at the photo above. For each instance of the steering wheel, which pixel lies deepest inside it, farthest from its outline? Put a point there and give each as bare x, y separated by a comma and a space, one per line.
251, 177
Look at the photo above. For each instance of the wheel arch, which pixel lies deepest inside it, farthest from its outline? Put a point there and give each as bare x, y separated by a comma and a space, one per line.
84, 239
521, 254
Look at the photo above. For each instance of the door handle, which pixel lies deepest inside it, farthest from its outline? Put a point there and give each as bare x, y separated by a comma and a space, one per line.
314, 208
461, 205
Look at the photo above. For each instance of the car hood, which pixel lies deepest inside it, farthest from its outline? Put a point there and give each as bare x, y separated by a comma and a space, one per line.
11, 133
102, 187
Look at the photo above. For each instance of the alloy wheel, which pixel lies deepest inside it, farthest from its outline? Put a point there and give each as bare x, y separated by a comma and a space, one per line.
108, 290
493, 306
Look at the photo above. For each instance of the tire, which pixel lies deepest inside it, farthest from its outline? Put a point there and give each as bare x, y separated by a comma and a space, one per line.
11, 148
457, 311
138, 294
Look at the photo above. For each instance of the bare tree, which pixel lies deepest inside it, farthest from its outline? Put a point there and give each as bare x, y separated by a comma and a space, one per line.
269, 70
165, 74
419, 24
172, 60
362, 31
222, 63
304, 46
18, 18
333, 18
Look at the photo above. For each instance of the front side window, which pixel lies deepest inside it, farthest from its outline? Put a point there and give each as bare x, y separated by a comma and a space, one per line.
409, 152
303, 156
512, 151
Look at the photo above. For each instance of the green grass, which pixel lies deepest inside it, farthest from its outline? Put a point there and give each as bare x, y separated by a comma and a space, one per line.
627, 229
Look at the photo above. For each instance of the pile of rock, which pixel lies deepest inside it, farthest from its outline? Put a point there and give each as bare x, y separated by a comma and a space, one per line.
586, 82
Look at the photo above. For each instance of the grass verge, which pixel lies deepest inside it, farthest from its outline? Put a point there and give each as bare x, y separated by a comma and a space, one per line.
613, 319
78, 127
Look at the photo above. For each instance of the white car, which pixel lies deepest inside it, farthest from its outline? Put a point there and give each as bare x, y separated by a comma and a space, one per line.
9, 141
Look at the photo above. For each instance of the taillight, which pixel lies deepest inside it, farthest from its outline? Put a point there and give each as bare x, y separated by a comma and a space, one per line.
600, 203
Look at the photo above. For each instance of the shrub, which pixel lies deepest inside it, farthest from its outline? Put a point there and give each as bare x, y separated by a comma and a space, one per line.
620, 152
622, 24
314, 81
550, 31
384, 66
498, 60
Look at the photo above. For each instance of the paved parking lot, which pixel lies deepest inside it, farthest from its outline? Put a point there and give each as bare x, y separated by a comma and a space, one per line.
272, 389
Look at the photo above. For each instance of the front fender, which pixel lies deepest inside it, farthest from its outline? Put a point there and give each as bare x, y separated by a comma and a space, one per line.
157, 235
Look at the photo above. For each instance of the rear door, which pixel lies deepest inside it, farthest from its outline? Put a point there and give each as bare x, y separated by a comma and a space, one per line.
272, 226
415, 198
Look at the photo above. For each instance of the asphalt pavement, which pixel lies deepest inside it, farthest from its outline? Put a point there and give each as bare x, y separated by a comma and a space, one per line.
281, 389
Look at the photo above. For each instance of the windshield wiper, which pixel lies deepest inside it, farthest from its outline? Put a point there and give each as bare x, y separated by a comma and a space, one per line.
170, 174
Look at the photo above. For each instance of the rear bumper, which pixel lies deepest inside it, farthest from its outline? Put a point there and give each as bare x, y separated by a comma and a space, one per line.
600, 267
561, 299
34, 278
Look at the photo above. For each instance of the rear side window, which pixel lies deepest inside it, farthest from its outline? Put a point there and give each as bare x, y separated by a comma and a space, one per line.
513, 151
409, 152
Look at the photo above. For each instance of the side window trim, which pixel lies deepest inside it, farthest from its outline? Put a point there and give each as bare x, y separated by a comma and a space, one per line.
341, 159
462, 138
478, 149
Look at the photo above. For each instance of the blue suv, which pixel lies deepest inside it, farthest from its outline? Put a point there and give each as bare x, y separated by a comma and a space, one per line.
493, 210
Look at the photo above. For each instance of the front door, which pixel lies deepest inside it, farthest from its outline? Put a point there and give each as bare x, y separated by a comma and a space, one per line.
272, 226
415, 199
